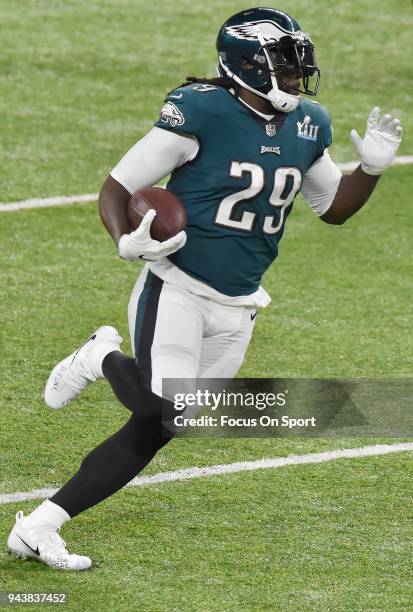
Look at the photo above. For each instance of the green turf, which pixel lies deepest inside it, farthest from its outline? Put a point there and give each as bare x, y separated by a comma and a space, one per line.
80, 83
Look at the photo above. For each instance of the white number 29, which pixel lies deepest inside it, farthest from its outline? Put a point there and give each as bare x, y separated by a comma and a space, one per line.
287, 183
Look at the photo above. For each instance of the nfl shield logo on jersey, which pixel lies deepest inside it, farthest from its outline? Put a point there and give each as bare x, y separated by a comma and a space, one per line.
270, 129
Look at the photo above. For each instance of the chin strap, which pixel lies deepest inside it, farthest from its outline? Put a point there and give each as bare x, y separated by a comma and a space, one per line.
282, 101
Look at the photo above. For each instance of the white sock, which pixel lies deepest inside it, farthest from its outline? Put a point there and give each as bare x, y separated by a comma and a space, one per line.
48, 515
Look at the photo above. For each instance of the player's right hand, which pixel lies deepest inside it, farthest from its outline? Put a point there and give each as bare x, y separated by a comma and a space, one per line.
381, 141
139, 244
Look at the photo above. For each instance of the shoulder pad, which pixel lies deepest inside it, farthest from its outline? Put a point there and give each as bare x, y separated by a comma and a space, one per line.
181, 112
188, 109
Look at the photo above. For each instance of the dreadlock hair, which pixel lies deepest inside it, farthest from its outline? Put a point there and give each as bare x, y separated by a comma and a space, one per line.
222, 81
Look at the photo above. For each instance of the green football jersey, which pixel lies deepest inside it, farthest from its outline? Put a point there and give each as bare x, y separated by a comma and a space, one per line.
240, 188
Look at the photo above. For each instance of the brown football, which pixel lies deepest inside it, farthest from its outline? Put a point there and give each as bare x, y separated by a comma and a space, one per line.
170, 213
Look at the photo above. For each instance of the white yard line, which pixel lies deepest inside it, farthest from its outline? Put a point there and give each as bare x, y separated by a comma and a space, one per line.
402, 160
232, 468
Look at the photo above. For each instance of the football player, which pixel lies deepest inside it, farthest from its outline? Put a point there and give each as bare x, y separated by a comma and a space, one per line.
239, 148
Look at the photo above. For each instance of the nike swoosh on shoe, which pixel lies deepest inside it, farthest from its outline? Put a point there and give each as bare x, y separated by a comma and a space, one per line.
36, 552
90, 339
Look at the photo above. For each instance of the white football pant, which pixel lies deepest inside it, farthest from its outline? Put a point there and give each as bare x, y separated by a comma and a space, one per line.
177, 334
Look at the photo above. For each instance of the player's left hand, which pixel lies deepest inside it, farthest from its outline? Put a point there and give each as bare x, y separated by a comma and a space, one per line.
381, 141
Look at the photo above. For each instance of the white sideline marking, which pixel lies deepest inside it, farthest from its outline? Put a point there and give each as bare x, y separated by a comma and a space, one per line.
45, 202
402, 160
232, 468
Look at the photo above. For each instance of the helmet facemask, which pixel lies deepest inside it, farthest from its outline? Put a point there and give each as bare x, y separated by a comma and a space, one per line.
290, 55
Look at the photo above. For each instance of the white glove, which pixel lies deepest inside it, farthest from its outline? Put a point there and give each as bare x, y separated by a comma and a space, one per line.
381, 141
139, 244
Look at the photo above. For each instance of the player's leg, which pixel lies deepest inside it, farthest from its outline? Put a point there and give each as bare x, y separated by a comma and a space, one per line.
125, 454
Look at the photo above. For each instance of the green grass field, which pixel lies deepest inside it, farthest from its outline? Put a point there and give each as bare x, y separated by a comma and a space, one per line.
80, 84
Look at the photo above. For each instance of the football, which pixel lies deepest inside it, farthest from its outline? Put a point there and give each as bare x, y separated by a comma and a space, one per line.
170, 212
